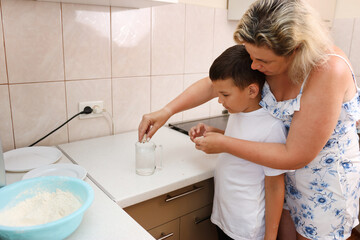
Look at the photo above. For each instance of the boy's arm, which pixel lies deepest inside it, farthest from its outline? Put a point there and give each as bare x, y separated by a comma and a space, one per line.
274, 200
214, 129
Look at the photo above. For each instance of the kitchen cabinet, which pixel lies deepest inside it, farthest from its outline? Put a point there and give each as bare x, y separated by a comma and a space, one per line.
197, 225
326, 9
168, 231
118, 3
182, 214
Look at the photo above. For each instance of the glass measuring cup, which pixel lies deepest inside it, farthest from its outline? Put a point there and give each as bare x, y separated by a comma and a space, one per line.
148, 157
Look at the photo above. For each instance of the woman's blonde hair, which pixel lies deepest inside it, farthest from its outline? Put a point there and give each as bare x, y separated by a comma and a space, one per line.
286, 26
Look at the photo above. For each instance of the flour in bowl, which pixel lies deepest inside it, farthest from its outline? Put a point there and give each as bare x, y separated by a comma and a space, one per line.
42, 208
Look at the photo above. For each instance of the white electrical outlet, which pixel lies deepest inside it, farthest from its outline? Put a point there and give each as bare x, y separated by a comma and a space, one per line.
97, 107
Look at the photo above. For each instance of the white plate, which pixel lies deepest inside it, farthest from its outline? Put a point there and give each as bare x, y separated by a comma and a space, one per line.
59, 169
27, 158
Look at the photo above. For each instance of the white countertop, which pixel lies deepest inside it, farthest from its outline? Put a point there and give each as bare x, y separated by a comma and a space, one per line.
111, 163
103, 220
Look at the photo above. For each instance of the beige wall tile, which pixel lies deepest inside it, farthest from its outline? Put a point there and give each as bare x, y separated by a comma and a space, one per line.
86, 41
131, 97
355, 47
201, 111
342, 32
223, 39
6, 133
199, 35
215, 107
33, 41
167, 50
37, 109
3, 75
130, 42
223, 32
163, 90
84, 91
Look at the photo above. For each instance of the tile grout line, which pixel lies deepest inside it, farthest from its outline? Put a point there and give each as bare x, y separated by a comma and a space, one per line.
151, 52
213, 51
65, 85
352, 34
7, 75
111, 74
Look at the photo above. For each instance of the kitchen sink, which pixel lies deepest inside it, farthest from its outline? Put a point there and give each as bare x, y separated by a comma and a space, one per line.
184, 126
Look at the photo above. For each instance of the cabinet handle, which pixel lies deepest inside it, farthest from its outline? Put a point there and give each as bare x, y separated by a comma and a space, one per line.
200, 220
163, 236
170, 198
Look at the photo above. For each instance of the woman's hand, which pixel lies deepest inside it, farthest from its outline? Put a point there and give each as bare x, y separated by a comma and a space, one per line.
198, 131
151, 122
210, 143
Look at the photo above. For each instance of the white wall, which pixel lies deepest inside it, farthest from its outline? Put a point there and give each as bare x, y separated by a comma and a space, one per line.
134, 60
347, 9
207, 3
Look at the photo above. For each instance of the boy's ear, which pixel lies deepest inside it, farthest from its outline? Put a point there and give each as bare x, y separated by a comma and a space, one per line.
253, 90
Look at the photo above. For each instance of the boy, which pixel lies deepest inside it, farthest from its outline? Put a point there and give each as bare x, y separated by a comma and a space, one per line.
242, 209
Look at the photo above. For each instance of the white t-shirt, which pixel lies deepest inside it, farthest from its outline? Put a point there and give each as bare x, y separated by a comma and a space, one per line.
239, 199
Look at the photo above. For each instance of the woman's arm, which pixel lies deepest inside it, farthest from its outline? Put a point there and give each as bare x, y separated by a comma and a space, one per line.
274, 200
311, 127
195, 95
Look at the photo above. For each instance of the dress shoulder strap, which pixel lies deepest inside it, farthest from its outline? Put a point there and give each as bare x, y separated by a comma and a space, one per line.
347, 63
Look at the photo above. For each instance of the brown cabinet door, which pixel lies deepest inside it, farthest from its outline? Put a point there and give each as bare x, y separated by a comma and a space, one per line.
167, 231
197, 225
162, 209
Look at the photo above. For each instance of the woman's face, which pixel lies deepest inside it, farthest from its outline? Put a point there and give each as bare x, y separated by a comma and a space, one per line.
266, 61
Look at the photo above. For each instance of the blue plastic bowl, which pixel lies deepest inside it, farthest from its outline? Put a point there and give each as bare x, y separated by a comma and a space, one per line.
60, 229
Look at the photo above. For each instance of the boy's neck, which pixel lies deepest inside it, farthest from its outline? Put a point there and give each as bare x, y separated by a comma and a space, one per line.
253, 104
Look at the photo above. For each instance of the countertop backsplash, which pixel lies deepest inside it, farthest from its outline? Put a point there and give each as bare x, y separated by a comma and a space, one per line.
55, 55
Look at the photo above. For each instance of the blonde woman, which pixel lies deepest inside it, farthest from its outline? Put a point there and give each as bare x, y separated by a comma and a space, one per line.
311, 87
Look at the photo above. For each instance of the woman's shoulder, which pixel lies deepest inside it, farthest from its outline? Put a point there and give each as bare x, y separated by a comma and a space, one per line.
337, 63
336, 73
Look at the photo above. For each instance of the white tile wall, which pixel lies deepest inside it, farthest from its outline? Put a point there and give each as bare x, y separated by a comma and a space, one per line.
131, 98
86, 41
223, 32
342, 32
33, 41
199, 33
215, 107
355, 47
6, 129
136, 61
202, 110
83, 91
36, 110
346, 35
131, 31
167, 46
163, 90
3, 75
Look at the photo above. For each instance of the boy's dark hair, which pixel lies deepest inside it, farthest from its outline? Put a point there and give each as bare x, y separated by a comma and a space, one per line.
235, 63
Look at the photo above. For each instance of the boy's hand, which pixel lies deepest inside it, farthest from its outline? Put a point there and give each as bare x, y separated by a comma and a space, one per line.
210, 143
198, 131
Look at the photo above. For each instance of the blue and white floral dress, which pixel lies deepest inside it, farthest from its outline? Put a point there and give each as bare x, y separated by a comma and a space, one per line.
323, 197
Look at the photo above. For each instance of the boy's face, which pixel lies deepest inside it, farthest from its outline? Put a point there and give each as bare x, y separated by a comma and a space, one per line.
233, 98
